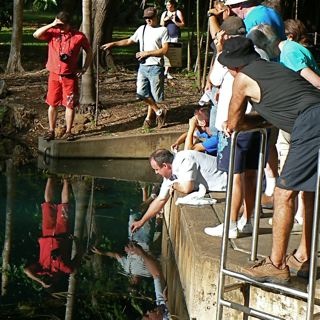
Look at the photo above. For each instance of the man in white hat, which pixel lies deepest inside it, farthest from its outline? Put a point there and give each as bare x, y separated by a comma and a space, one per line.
254, 14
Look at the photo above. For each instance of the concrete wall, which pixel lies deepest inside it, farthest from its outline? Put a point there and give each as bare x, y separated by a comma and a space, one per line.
197, 258
135, 146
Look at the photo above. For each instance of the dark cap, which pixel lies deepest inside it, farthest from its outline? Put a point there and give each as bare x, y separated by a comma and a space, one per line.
234, 25
237, 52
150, 12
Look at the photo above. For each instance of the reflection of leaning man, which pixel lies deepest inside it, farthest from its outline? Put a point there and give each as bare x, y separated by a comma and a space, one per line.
153, 42
184, 172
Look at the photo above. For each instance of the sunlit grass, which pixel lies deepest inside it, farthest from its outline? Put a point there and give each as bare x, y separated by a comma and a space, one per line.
33, 20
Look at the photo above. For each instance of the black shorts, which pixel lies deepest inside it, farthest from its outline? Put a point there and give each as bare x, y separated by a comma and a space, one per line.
247, 152
299, 172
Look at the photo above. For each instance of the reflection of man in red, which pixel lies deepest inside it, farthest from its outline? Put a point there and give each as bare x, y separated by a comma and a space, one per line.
56, 241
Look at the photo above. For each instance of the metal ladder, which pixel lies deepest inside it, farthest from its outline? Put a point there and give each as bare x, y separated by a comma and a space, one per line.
245, 285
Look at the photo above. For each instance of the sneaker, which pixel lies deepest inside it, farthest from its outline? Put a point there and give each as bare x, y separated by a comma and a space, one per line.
244, 226
266, 271
49, 135
266, 201
218, 231
161, 120
169, 76
297, 268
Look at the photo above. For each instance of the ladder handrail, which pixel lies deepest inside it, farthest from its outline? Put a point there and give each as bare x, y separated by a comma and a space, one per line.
310, 294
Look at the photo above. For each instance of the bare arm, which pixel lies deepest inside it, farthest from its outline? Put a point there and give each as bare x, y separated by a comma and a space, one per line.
153, 53
149, 261
179, 141
39, 33
244, 88
156, 206
110, 254
120, 43
190, 134
180, 16
184, 187
311, 76
34, 277
88, 60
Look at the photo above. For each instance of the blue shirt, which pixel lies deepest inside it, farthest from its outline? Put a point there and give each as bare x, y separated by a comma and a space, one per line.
297, 57
265, 15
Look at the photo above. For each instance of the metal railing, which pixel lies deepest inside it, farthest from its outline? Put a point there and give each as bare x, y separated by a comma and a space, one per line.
309, 296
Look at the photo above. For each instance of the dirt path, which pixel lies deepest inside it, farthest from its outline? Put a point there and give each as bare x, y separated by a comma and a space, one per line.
120, 113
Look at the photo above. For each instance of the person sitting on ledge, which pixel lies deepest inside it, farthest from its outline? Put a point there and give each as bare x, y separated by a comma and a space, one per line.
283, 98
183, 172
199, 136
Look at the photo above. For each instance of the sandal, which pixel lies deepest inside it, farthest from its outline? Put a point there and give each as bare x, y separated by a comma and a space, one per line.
69, 136
147, 124
49, 135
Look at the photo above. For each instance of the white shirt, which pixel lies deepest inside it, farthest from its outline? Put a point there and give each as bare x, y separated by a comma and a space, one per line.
191, 165
220, 76
152, 39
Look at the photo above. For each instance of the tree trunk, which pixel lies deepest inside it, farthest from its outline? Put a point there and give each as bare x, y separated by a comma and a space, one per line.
14, 61
100, 8
87, 83
81, 194
8, 228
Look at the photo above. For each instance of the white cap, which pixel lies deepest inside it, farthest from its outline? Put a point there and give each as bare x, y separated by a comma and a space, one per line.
231, 2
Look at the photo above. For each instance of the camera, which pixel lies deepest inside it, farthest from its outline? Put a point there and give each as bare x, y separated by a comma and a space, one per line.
64, 57
142, 60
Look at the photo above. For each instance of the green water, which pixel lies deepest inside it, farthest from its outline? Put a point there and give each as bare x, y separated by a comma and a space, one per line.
98, 214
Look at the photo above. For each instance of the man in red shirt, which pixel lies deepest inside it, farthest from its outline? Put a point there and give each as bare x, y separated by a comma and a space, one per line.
64, 45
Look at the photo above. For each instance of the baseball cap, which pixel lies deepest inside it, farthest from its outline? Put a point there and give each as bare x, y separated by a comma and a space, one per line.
149, 12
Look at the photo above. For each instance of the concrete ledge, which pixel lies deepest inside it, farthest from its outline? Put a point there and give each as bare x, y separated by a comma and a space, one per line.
197, 257
118, 169
134, 146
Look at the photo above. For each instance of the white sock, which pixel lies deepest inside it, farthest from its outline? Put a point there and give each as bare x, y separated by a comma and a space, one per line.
298, 217
242, 221
159, 112
270, 185
233, 225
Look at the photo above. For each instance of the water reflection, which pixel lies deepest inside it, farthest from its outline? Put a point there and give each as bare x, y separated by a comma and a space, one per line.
54, 265
54, 228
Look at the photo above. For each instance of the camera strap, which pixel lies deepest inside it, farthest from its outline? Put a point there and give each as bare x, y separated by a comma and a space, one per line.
142, 44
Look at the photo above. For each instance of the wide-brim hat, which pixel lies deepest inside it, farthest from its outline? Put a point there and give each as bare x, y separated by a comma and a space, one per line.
149, 12
237, 52
232, 2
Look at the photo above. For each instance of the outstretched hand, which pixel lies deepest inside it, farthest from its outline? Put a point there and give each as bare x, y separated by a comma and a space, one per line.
136, 226
96, 250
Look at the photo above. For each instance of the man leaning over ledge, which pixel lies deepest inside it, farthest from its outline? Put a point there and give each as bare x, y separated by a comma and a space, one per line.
283, 98
183, 172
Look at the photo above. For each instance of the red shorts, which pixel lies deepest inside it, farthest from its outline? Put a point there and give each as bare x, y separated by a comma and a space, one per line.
62, 90
55, 219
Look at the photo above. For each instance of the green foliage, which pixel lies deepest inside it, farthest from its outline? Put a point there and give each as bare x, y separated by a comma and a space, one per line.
5, 14
43, 5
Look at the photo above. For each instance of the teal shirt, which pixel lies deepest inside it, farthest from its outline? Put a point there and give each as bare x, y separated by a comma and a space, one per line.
297, 57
